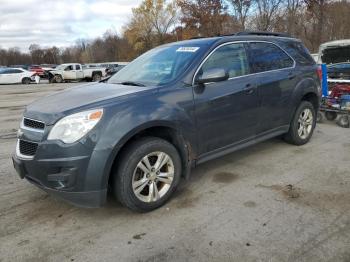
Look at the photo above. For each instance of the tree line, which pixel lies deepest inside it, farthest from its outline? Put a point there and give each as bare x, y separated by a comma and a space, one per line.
155, 22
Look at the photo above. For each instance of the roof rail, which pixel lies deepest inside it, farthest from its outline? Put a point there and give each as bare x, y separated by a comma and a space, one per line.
262, 33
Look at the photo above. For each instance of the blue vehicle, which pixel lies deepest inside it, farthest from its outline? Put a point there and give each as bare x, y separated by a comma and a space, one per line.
172, 108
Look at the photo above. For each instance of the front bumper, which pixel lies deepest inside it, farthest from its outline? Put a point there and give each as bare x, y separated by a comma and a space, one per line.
72, 178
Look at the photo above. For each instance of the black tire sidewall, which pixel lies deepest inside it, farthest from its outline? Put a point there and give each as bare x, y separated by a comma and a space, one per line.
293, 132
122, 185
94, 77
26, 81
59, 78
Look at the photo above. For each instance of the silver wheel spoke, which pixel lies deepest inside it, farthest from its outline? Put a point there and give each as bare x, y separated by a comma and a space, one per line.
162, 159
147, 163
140, 185
150, 192
142, 167
156, 192
165, 180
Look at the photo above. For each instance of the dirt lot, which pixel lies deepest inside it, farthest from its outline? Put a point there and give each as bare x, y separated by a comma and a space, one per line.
269, 202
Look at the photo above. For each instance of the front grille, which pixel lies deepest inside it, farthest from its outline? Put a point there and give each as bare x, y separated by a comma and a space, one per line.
33, 123
27, 148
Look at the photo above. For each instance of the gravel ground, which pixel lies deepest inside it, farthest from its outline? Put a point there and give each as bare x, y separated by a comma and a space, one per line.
269, 202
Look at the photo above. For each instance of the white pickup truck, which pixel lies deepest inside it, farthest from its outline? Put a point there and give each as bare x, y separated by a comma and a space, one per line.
69, 72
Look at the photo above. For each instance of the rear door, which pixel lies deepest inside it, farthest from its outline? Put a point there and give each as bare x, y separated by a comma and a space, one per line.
79, 72
276, 79
12, 76
226, 111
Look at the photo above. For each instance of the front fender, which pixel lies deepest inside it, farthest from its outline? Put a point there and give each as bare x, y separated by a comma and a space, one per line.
128, 119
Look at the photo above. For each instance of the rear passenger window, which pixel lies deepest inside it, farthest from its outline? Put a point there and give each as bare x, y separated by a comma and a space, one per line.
231, 57
299, 52
267, 57
77, 67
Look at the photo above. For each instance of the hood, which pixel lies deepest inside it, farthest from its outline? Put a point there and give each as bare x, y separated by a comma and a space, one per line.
335, 52
53, 107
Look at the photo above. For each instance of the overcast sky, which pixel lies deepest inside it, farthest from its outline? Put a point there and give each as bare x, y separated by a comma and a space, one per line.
59, 22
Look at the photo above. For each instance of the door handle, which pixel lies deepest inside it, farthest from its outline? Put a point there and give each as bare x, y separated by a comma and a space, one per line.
249, 89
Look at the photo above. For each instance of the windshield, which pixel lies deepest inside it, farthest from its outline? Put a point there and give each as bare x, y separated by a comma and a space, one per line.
158, 66
61, 67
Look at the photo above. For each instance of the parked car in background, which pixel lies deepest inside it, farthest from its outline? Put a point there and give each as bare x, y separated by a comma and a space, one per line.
26, 67
48, 66
172, 108
336, 55
16, 75
76, 72
37, 69
113, 68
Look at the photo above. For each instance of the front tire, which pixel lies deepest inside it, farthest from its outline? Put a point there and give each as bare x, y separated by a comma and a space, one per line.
58, 79
147, 174
302, 125
96, 77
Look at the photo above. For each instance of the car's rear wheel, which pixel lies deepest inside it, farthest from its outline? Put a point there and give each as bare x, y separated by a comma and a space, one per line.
26, 81
147, 174
302, 125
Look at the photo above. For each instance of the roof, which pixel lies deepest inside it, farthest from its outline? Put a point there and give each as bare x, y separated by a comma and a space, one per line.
233, 37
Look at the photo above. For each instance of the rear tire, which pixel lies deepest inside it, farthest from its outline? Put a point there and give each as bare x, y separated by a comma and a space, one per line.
140, 182
302, 125
26, 81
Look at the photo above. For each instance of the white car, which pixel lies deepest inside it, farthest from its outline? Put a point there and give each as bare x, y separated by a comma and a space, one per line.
15, 76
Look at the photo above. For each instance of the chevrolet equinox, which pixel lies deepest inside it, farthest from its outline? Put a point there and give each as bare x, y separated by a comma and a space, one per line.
172, 108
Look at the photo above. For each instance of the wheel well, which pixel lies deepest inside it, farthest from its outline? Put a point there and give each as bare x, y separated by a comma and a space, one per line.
96, 73
167, 133
312, 98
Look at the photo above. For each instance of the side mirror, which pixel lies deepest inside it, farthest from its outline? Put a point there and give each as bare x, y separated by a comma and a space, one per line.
213, 75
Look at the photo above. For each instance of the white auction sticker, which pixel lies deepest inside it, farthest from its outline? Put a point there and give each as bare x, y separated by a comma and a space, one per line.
187, 49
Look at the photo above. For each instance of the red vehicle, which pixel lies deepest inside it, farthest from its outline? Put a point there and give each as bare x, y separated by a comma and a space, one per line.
337, 104
38, 70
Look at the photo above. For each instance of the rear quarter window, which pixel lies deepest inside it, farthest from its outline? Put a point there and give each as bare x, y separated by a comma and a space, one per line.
299, 52
267, 57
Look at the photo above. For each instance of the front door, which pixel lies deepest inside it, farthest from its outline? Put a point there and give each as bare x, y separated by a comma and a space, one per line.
70, 73
226, 112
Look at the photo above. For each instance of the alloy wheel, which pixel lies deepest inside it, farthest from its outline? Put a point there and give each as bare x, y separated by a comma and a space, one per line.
305, 123
153, 176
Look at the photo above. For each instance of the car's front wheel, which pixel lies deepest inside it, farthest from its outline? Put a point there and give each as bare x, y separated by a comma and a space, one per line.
147, 174
302, 125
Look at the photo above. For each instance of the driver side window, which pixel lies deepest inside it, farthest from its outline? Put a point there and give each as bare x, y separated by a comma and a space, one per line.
231, 57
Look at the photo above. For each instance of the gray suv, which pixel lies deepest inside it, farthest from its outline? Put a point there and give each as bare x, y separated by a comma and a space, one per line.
172, 108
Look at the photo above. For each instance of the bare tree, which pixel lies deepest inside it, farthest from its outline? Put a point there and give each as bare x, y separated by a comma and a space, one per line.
265, 13
241, 9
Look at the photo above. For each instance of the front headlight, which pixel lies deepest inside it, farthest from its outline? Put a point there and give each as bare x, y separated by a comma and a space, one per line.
73, 127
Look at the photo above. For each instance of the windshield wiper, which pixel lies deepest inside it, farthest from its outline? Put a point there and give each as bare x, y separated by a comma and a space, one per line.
131, 83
